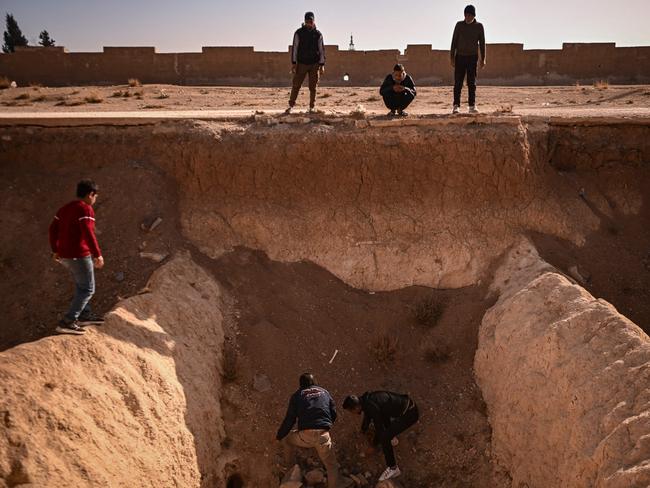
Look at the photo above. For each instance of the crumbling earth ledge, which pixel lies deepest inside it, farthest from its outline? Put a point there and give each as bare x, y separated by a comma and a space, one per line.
565, 378
135, 403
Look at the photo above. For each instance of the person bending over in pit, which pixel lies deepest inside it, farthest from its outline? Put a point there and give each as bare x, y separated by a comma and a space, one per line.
398, 91
315, 411
391, 413
307, 58
74, 244
468, 40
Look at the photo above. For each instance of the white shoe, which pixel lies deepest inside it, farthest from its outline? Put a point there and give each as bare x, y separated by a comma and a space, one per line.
473, 109
394, 442
288, 110
390, 473
456, 109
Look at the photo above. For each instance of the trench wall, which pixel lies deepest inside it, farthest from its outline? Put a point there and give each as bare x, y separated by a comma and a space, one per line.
508, 64
133, 403
565, 378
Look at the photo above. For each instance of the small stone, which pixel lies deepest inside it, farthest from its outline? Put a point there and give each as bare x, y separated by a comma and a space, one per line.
261, 383
155, 224
293, 478
576, 275
154, 256
314, 477
119, 276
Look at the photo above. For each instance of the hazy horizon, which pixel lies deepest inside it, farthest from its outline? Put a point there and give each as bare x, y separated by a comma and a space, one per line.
83, 26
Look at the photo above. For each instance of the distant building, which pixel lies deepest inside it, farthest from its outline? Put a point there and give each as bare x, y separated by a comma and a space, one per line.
351, 43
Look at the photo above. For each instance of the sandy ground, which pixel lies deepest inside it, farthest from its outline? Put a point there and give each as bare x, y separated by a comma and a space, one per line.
562, 100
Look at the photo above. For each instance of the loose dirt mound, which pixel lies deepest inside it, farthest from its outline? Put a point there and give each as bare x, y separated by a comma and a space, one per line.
566, 381
134, 403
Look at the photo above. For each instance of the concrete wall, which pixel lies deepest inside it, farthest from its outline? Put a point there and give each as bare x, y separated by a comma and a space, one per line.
508, 64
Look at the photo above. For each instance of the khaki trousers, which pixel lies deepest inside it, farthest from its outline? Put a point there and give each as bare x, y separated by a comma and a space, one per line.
322, 442
303, 70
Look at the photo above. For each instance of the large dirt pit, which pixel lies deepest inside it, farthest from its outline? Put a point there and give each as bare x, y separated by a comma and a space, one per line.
285, 239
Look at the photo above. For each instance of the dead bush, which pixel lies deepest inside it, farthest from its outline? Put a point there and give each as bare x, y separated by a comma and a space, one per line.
229, 363
384, 348
428, 312
437, 354
4, 82
601, 85
93, 98
133, 82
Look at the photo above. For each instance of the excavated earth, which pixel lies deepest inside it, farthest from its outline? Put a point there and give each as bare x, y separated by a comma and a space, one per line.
292, 243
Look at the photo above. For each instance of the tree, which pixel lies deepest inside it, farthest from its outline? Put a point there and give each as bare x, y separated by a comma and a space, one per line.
13, 36
45, 39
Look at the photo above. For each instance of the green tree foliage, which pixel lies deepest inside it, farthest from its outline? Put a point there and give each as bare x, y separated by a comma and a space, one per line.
45, 39
13, 36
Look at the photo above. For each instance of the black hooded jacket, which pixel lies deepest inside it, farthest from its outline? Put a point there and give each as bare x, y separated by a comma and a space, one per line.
387, 86
379, 407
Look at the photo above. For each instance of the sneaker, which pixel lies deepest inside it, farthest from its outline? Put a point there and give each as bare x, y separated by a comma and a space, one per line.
390, 473
394, 442
69, 328
473, 109
456, 109
312, 110
402, 113
288, 110
90, 319
391, 113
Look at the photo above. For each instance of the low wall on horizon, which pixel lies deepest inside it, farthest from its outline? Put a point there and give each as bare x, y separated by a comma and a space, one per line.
507, 64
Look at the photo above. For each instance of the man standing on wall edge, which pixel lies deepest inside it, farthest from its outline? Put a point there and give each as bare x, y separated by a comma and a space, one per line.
307, 58
467, 41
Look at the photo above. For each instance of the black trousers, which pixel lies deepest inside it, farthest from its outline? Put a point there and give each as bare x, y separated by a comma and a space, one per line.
396, 427
398, 101
465, 65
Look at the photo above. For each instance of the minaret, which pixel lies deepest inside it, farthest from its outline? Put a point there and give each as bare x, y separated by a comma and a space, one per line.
351, 43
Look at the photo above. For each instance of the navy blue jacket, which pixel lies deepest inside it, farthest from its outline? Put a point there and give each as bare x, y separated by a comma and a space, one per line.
313, 407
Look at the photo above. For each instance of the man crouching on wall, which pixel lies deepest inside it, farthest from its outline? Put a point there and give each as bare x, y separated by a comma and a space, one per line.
398, 91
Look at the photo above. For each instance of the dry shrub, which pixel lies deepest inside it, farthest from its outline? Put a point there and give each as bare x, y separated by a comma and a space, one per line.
93, 98
373, 98
229, 363
162, 95
22, 96
69, 103
325, 95
153, 106
4, 82
359, 112
437, 354
504, 109
601, 85
40, 98
133, 82
138, 93
384, 348
428, 312
121, 94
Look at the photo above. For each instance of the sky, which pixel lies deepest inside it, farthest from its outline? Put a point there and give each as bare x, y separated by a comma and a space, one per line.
187, 25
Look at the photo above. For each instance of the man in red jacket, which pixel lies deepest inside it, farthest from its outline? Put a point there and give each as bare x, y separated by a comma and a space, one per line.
73, 243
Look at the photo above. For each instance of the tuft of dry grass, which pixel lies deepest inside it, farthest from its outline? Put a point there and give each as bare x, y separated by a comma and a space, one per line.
93, 98
22, 96
504, 109
4, 82
437, 354
601, 85
121, 94
69, 103
133, 82
325, 95
384, 348
162, 95
229, 363
373, 98
428, 311
153, 106
40, 98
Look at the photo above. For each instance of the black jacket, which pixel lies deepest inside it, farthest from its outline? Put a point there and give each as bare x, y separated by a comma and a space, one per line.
314, 409
379, 407
308, 47
387, 86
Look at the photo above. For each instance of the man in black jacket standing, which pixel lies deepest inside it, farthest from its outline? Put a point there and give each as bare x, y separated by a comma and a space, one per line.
391, 414
398, 91
307, 58
467, 41
316, 413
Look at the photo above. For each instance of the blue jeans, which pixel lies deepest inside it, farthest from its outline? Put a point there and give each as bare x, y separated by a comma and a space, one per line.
83, 273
